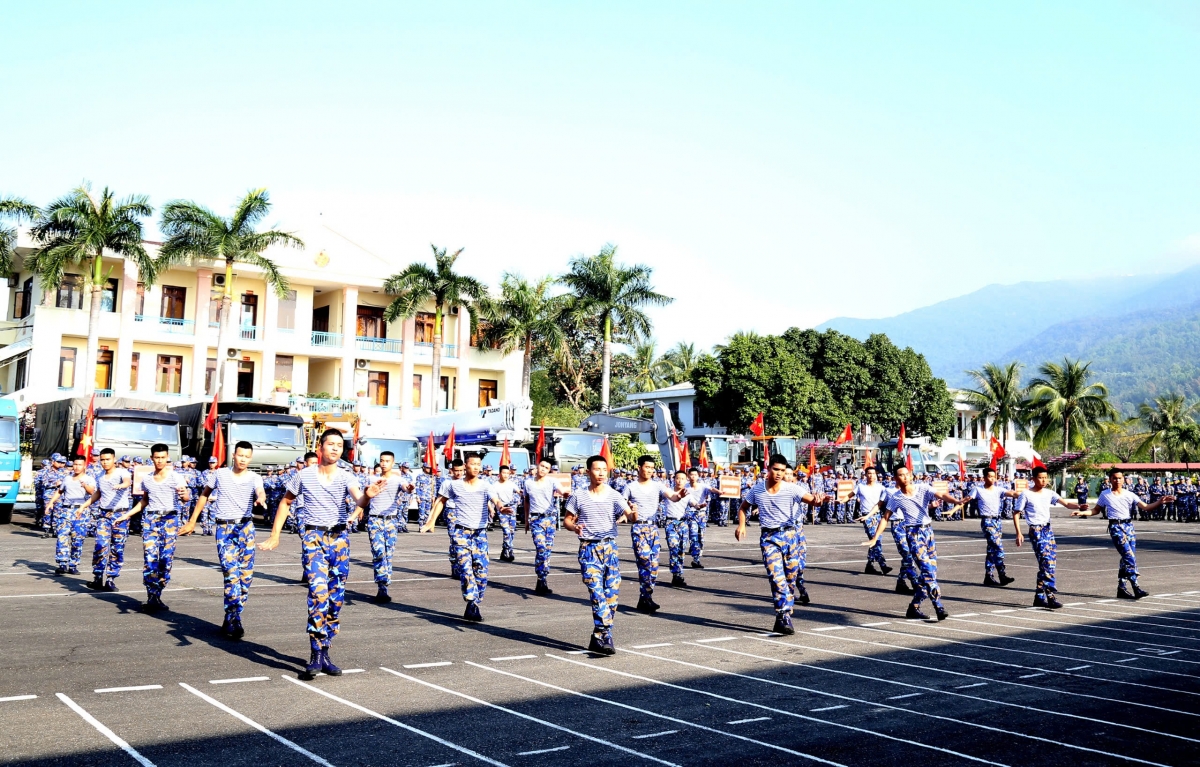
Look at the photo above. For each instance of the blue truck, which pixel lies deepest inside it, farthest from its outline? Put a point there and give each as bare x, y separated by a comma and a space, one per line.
10, 459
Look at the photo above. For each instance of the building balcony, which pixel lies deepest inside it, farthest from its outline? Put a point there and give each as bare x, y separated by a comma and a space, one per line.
323, 338
448, 350
314, 405
248, 332
371, 344
104, 392
167, 324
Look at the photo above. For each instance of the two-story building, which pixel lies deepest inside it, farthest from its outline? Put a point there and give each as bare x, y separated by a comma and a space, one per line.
325, 340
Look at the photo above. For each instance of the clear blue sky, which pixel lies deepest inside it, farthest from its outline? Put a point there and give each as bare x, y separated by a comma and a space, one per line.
778, 164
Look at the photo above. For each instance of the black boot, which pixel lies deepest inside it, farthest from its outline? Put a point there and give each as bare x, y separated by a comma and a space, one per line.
1052, 601
643, 606
96, 584
238, 630
914, 613
314, 665
472, 613
327, 664
802, 594
783, 624
110, 585
696, 564
1139, 592
870, 569
678, 581
382, 597
654, 606
991, 582
903, 588
885, 569
542, 588
940, 612
1005, 579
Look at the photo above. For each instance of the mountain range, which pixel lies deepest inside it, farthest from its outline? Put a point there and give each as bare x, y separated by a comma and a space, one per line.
1141, 332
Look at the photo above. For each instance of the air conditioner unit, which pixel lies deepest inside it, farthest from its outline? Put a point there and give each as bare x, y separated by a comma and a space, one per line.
453, 311
232, 353
218, 279
361, 364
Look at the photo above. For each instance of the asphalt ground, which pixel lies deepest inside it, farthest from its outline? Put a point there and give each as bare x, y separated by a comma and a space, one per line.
85, 679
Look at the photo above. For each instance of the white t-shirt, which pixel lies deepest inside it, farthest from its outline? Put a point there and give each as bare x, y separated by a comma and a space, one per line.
868, 497
988, 500
1037, 505
1118, 506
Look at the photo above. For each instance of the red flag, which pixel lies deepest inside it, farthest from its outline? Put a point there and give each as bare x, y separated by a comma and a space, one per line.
812, 459
430, 456
908, 460
686, 457
354, 445
992, 465
900, 439
218, 448
210, 421
541, 443
704, 454
85, 442
505, 458
962, 469
868, 460
997, 448
1037, 463
448, 448
606, 452
845, 436
756, 426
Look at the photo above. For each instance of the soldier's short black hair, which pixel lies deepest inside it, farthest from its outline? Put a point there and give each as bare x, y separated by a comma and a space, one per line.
596, 459
108, 451
645, 459
159, 447
779, 460
243, 445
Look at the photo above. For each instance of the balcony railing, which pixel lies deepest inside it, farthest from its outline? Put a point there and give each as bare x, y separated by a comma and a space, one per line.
371, 344
104, 392
322, 338
448, 350
176, 325
313, 405
248, 332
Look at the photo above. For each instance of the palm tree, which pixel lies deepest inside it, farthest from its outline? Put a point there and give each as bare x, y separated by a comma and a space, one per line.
613, 295
18, 210
1163, 420
998, 398
680, 360
1064, 401
650, 371
417, 285
525, 317
75, 231
195, 232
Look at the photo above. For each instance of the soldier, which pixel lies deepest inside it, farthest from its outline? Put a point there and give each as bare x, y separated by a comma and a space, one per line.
387, 501
504, 495
54, 478
39, 493
468, 530
592, 514
1036, 502
1156, 494
94, 470
112, 498
867, 495
911, 503
644, 496
425, 493
779, 514
1119, 504
1081, 490
161, 492
457, 471
75, 494
987, 499
579, 479
541, 496
207, 527
678, 526
402, 504
236, 491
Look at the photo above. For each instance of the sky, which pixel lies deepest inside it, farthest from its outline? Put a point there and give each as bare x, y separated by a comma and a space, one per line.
777, 164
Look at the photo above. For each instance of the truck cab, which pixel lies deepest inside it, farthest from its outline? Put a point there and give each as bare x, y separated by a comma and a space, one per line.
10, 458
277, 438
133, 432
890, 458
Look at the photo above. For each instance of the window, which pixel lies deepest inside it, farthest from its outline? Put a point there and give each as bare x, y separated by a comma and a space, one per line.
245, 379
283, 371
140, 309
488, 391
249, 317
416, 397
108, 297
104, 366
23, 300
70, 292
210, 376
424, 334
449, 389
321, 320
170, 374
22, 372
133, 371
377, 387
66, 368
173, 299
215, 296
287, 313
370, 322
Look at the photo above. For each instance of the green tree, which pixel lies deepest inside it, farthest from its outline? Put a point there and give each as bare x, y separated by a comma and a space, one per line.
14, 209
679, 361
1067, 405
650, 371
525, 316
998, 397
842, 362
75, 231
417, 285
614, 296
1163, 418
196, 233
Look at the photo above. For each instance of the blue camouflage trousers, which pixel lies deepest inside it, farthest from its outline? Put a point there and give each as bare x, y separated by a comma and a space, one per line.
159, 533
382, 531
207, 520
508, 529
326, 559
1041, 538
923, 549
109, 554
542, 530
424, 506
697, 521
602, 575
471, 546
1121, 532
993, 530
678, 534
70, 528
907, 571
780, 557
235, 552
875, 553
645, 552
452, 551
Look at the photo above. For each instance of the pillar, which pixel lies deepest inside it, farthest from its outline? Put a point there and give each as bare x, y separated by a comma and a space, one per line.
349, 346
200, 328
123, 360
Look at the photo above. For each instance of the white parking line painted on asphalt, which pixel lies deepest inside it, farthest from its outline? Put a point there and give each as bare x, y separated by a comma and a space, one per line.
1135, 619
878, 623
100, 728
1031, 676
906, 695
830, 628
997, 612
542, 751
397, 723
17, 697
1022, 638
1079, 668
251, 723
717, 639
751, 719
654, 734
656, 715
1095, 627
240, 679
513, 657
969, 686
135, 688
1125, 660
651, 646
527, 717
967, 615
828, 708
429, 665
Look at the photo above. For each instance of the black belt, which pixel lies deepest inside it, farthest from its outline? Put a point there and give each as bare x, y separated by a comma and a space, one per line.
597, 540
243, 520
155, 515
382, 516
325, 529
773, 530
469, 529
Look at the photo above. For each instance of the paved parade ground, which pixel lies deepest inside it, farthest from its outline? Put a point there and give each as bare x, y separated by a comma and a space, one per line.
85, 679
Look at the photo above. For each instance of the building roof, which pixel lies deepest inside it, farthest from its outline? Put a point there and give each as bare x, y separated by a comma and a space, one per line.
1193, 466
681, 389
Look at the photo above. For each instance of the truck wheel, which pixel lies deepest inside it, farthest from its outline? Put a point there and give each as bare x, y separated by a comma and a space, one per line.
6, 510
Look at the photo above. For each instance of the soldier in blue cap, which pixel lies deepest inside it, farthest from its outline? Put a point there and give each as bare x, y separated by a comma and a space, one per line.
75, 494
39, 493
53, 481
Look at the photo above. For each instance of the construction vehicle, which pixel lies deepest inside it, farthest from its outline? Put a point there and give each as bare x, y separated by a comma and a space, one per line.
660, 428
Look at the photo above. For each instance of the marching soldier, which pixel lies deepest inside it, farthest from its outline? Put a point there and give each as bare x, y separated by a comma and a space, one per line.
112, 498
1119, 505
161, 493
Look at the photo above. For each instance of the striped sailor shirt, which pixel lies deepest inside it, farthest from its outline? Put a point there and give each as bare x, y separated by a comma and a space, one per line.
597, 512
234, 496
323, 499
112, 498
470, 508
